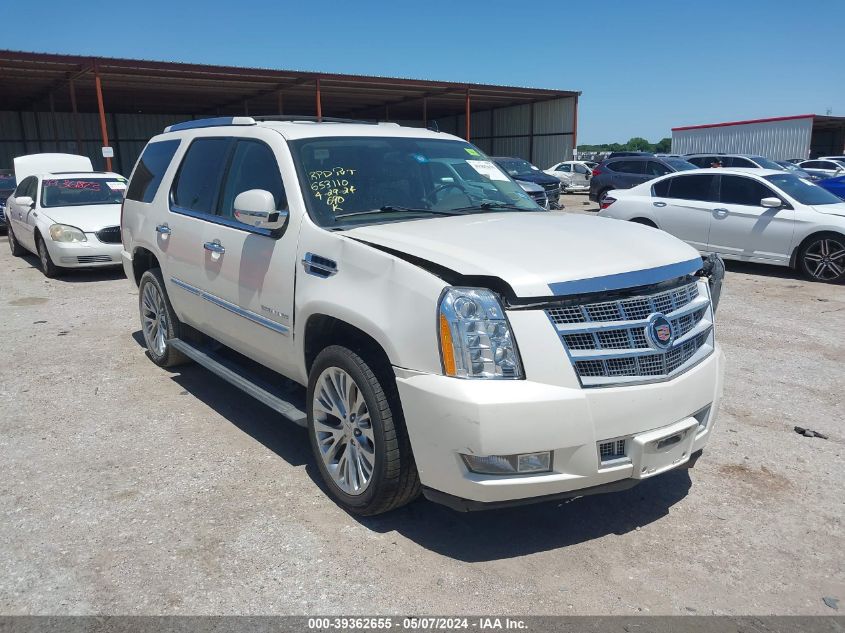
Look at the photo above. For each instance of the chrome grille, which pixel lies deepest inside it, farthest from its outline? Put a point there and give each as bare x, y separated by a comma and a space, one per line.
93, 259
608, 342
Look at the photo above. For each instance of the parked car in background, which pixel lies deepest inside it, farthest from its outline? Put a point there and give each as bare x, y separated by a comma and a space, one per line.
574, 175
746, 161
65, 213
521, 170
828, 168
390, 303
7, 186
795, 169
836, 186
537, 193
624, 173
624, 153
765, 216
795, 161
839, 158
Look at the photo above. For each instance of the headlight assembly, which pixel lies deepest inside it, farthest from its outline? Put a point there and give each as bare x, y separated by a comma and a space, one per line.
65, 233
475, 336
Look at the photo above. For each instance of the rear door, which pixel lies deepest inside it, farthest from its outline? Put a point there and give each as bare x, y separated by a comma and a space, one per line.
743, 228
627, 173
683, 206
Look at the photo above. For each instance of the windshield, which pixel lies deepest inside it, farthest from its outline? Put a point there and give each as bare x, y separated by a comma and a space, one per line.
765, 163
679, 164
516, 166
353, 180
802, 190
75, 192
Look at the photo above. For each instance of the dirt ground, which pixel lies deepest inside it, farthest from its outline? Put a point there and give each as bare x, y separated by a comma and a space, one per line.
129, 489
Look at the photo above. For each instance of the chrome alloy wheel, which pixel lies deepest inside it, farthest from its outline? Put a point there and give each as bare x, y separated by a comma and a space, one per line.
344, 431
154, 319
825, 259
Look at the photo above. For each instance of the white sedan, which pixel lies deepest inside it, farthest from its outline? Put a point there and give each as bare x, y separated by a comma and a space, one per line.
765, 216
574, 175
69, 219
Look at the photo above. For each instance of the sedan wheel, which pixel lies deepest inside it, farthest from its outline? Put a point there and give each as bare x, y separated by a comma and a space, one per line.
823, 259
344, 431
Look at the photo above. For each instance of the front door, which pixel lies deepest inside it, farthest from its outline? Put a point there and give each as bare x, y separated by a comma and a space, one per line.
745, 229
22, 217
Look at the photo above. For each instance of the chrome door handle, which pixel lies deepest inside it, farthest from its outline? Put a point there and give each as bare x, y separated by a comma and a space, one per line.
659, 204
163, 229
720, 213
214, 247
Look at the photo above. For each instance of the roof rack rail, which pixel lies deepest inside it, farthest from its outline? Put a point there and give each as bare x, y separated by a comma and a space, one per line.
210, 122
312, 119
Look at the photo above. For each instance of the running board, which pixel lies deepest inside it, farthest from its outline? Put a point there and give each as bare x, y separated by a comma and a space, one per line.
229, 372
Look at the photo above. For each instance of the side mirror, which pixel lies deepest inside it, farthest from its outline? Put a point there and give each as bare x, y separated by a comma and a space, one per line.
257, 208
771, 203
25, 201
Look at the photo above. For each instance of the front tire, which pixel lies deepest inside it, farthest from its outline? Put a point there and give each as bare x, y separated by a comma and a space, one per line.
822, 258
358, 434
14, 246
159, 322
49, 269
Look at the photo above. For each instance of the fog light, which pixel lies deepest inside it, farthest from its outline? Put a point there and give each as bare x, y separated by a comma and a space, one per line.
509, 464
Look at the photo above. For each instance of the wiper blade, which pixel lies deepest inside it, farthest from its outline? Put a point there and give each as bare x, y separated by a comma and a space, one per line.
392, 208
489, 206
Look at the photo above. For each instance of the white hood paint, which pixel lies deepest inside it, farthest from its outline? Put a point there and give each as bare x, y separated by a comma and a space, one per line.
36, 164
830, 209
88, 218
538, 254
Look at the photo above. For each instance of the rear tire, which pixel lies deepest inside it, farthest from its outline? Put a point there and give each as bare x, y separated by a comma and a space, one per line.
14, 246
358, 433
822, 258
159, 322
49, 269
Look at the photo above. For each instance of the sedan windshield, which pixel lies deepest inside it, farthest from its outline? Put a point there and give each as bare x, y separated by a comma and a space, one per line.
75, 192
349, 181
802, 190
765, 163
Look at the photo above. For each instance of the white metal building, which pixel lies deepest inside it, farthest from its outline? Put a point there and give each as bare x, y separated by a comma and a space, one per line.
778, 138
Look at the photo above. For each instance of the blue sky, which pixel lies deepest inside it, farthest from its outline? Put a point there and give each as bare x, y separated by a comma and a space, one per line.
643, 66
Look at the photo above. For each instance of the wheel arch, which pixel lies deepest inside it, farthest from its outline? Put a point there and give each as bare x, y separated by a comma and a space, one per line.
793, 259
322, 330
644, 221
143, 260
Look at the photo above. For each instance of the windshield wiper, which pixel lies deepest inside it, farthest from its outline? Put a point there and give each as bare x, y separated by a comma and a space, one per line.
489, 206
392, 208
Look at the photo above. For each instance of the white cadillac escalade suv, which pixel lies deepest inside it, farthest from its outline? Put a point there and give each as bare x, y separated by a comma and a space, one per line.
396, 293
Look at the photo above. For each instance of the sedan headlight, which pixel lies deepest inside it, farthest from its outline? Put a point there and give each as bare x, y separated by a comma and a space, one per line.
65, 233
475, 336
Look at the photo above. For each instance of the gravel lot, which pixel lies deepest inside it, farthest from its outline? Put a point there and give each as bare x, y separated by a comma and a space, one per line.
128, 489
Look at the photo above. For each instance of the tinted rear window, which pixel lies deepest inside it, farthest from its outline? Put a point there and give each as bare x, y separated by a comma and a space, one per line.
628, 166
199, 176
150, 170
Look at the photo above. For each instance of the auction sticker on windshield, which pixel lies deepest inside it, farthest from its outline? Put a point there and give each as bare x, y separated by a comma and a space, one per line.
488, 169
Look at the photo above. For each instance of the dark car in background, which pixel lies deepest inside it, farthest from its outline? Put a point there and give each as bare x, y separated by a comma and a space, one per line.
521, 170
629, 171
7, 187
628, 153
745, 161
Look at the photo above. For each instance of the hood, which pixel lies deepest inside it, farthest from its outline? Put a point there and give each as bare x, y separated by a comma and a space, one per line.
830, 209
35, 164
540, 254
89, 218
537, 177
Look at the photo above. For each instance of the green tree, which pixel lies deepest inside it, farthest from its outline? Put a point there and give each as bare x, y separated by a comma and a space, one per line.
639, 144
664, 146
